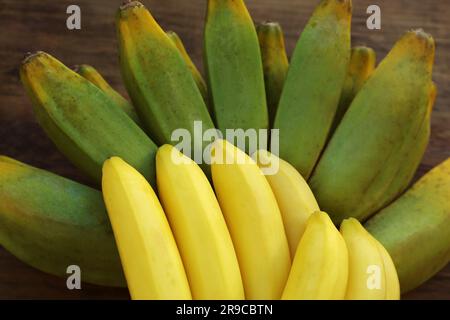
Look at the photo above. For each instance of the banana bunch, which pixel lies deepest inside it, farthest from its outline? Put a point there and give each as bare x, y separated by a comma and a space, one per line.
248, 223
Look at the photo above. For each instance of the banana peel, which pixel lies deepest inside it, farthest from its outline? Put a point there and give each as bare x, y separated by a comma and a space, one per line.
50, 223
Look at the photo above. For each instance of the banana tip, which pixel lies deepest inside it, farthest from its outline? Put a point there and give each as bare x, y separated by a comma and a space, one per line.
424, 36
76, 68
31, 55
270, 23
130, 4
343, 5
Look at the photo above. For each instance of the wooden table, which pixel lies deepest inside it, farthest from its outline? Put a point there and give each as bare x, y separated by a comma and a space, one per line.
41, 25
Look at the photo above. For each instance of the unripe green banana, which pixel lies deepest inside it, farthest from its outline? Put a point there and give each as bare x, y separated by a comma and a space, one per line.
234, 67
313, 85
413, 155
361, 66
275, 63
91, 74
84, 123
201, 84
415, 228
377, 133
51, 222
157, 78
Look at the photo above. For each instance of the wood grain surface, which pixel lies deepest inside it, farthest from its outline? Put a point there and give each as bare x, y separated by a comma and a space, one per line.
41, 25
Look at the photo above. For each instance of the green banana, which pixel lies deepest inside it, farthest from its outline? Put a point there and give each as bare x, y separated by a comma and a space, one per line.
83, 122
234, 67
362, 65
377, 135
414, 155
96, 78
51, 222
313, 85
201, 84
157, 78
275, 63
415, 228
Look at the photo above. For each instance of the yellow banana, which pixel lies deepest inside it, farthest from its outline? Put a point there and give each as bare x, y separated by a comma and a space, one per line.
392, 282
320, 267
150, 258
254, 221
199, 227
90, 73
294, 197
367, 275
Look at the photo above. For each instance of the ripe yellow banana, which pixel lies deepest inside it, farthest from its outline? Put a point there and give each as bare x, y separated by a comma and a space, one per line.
415, 228
150, 258
90, 73
371, 273
294, 197
201, 84
392, 281
320, 267
198, 226
254, 221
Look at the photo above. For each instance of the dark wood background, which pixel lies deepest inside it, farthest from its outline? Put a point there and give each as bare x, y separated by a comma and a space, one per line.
30, 25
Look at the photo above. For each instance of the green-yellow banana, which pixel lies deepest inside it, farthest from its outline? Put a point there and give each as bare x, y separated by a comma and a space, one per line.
83, 122
51, 223
234, 68
313, 85
376, 135
91, 74
415, 228
361, 66
414, 155
157, 78
201, 84
275, 63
